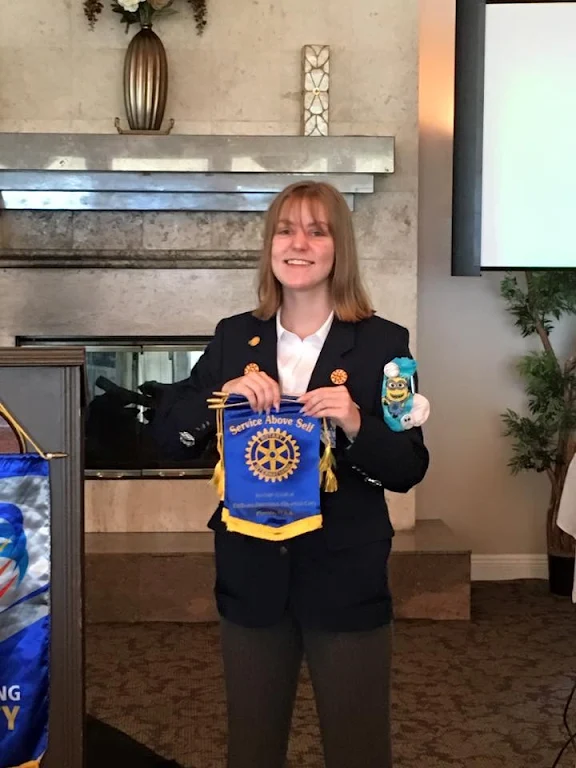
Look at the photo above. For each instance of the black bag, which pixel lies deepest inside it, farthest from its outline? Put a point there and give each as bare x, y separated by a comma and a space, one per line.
107, 747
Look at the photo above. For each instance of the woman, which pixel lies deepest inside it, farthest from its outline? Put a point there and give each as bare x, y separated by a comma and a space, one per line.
323, 594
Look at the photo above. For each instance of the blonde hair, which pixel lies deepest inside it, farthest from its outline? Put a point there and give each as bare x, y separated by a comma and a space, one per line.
349, 297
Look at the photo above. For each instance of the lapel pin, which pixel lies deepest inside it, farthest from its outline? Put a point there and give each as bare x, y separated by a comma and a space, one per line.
251, 368
254, 341
339, 376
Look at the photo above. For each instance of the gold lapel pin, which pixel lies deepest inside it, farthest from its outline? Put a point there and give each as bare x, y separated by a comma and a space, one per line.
339, 376
254, 341
251, 368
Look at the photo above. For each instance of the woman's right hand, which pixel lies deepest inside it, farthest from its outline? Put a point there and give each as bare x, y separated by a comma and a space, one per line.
261, 391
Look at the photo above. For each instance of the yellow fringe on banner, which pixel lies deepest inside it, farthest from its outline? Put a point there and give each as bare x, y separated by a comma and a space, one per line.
218, 476
327, 463
30, 764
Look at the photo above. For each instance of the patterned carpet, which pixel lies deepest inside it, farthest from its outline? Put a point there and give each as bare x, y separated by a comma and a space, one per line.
482, 694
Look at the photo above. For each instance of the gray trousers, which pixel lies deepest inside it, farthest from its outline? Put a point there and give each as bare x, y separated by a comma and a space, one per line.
350, 674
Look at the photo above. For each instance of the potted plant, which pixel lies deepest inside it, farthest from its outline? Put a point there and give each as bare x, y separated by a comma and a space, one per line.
145, 65
545, 439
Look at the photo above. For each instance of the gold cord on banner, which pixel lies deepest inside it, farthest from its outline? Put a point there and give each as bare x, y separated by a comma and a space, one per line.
25, 437
219, 401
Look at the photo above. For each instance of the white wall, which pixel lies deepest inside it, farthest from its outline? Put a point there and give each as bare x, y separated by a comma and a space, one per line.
467, 345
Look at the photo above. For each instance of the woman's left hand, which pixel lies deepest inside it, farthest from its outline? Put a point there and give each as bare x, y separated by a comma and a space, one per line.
333, 403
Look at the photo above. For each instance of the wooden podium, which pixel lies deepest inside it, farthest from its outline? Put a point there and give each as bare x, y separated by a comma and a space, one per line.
44, 388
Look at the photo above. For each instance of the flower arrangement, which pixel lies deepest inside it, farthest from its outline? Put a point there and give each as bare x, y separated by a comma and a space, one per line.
143, 12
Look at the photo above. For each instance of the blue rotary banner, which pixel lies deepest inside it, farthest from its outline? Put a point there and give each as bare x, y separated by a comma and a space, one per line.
24, 608
272, 470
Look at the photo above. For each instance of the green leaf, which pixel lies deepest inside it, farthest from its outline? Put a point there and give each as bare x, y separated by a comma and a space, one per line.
532, 442
127, 17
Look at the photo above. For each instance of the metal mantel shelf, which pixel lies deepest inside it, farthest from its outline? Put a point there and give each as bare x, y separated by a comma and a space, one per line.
194, 173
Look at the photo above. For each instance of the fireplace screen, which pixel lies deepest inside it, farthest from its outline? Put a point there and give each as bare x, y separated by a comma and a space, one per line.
126, 379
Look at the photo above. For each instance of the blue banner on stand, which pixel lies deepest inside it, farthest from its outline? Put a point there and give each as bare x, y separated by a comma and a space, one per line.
24, 608
272, 470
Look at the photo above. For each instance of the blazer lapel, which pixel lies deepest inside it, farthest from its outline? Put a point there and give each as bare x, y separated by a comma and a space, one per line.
264, 353
340, 339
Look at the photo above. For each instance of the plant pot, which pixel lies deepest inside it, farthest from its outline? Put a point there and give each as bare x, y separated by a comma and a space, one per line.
561, 575
145, 81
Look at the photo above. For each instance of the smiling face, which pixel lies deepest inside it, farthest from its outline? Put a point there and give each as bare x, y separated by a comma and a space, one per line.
397, 389
302, 255
309, 247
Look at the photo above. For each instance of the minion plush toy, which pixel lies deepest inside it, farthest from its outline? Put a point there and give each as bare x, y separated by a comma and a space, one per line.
403, 408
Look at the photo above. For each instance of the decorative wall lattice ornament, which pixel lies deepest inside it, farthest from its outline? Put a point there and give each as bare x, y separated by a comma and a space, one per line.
315, 89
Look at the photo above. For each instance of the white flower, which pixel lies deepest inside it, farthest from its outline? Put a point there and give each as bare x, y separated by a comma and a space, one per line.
130, 5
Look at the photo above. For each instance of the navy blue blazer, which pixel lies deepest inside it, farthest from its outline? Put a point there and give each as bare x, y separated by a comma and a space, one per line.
334, 578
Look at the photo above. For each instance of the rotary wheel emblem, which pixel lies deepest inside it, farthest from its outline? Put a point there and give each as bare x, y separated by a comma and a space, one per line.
338, 377
272, 455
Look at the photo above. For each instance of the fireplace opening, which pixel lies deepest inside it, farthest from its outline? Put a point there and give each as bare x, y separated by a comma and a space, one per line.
126, 379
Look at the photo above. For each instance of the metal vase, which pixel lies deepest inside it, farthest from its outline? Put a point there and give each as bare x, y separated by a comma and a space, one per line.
145, 81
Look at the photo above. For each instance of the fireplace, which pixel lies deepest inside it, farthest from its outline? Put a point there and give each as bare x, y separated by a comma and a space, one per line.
126, 380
